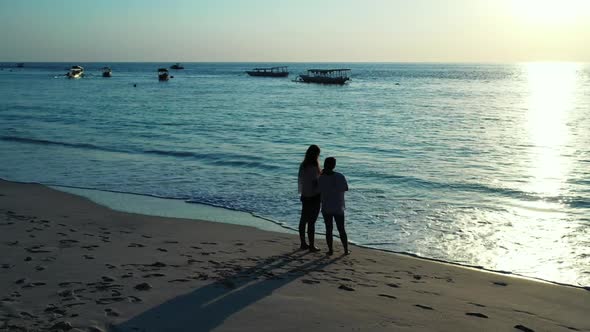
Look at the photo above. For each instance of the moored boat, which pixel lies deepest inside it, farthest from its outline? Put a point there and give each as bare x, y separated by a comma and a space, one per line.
163, 74
325, 76
269, 72
75, 72
177, 66
107, 72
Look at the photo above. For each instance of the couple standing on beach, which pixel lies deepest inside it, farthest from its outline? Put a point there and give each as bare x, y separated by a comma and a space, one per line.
323, 188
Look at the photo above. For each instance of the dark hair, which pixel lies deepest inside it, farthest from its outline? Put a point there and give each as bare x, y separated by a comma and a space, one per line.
311, 157
329, 165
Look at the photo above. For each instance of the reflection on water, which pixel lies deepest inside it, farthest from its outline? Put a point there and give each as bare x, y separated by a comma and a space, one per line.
551, 97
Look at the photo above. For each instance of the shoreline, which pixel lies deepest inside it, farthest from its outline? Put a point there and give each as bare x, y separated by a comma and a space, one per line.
71, 264
284, 228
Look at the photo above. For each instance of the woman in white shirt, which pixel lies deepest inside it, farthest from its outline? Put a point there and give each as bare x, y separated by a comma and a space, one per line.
309, 171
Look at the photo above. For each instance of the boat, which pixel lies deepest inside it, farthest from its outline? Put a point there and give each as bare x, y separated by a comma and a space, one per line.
269, 72
163, 74
176, 66
75, 72
325, 76
107, 72
20, 65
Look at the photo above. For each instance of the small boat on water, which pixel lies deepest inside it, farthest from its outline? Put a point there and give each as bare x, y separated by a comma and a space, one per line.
269, 72
163, 74
325, 76
107, 72
177, 66
75, 72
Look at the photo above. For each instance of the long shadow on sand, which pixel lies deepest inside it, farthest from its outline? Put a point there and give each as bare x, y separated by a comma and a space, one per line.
207, 307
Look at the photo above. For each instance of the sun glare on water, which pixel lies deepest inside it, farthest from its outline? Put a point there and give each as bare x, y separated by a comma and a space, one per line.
551, 96
552, 11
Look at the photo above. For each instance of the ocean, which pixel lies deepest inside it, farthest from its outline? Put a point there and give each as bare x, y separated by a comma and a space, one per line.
479, 164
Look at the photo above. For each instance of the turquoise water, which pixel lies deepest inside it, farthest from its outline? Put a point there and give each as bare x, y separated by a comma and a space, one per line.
479, 164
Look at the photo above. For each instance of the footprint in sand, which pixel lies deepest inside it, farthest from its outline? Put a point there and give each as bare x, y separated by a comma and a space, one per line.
425, 307
388, 296
88, 256
499, 283
111, 312
107, 279
37, 249
346, 288
162, 250
476, 314
34, 284
134, 299
477, 304
55, 310
135, 245
153, 275
310, 281
109, 300
523, 328
144, 286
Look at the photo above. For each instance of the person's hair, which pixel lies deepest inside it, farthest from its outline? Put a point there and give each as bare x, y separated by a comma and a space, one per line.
311, 157
329, 165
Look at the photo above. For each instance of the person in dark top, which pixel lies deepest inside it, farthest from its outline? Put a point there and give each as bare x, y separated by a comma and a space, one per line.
309, 171
332, 186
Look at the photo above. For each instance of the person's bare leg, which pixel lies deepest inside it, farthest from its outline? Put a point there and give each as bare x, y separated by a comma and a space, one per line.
329, 231
342, 233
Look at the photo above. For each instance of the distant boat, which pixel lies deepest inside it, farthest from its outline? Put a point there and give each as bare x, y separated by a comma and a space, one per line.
75, 72
176, 66
107, 72
269, 72
325, 76
163, 74
20, 65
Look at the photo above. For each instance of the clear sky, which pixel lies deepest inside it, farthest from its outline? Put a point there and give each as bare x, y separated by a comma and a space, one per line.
295, 30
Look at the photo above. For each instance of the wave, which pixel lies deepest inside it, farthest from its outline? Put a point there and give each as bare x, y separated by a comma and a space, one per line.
578, 202
48, 142
218, 159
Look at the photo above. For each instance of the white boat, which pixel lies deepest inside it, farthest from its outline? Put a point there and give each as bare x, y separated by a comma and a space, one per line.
75, 72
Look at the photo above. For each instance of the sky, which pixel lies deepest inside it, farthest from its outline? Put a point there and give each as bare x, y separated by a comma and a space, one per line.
295, 30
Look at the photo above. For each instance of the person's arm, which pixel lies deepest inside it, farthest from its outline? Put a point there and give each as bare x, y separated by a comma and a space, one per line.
344, 184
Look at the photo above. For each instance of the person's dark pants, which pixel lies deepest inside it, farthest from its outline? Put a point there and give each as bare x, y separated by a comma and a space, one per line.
339, 218
310, 209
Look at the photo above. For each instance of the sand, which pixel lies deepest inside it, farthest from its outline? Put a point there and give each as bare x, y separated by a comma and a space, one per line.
70, 264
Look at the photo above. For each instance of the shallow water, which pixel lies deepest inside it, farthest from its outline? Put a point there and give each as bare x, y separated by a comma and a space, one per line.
478, 164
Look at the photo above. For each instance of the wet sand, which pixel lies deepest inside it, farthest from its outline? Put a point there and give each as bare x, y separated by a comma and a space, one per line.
72, 265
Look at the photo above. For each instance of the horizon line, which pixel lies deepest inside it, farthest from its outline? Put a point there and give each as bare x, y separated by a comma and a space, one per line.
351, 62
